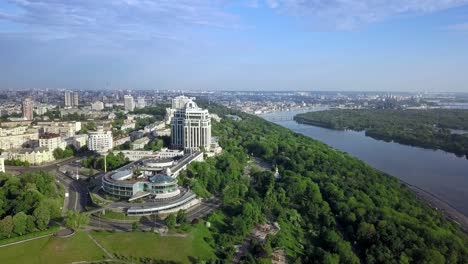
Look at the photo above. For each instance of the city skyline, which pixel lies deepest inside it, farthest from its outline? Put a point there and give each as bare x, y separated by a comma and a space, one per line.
223, 45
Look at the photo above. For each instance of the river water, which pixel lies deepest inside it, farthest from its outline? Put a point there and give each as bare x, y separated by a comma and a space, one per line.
442, 174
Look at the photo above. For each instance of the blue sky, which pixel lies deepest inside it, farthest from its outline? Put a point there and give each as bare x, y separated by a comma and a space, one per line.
399, 45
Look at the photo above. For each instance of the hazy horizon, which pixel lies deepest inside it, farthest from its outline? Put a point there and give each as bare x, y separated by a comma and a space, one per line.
381, 46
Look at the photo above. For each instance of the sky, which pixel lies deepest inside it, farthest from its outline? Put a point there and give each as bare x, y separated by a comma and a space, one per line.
280, 45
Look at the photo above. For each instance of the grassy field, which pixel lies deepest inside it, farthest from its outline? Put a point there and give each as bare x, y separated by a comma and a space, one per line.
175, 248
52, 250
131, 245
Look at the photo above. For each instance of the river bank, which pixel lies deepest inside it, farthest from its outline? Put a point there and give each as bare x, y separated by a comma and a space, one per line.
437, 177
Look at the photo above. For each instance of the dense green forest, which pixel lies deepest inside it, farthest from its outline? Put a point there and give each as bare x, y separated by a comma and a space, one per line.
422, 128
331, 208
28, 203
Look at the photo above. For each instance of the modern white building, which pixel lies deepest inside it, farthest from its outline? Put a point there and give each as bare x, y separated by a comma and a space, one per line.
129, 103
100, 140
191, 128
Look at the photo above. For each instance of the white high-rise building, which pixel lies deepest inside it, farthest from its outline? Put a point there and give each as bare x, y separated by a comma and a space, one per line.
75, 98
129, 103
68, 98
141, 102
100, 140
191, 128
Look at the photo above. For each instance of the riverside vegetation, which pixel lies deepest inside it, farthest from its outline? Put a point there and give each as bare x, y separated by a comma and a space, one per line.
332, 208
431, 129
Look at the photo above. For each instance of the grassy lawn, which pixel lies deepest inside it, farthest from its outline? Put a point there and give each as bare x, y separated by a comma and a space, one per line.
52, 250
140, 244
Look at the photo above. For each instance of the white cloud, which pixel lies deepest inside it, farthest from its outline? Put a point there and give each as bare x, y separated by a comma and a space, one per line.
351, 14
118, 18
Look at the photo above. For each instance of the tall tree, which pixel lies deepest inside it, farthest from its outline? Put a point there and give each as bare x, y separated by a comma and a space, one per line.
20, 223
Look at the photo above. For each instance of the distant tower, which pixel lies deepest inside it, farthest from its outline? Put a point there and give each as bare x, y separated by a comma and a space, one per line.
75, 99
68, 98
141, 102
129, 103
28, 108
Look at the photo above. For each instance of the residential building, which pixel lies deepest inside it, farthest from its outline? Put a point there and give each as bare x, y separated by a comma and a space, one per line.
16, 137
141, 102
129, 103
139, 143
121, 141
52, 141
34, 156
64, 129
191, 128
27, 108
128, 124
77, 141
68, 98
100, 140
71, 99
75, 99
97, 106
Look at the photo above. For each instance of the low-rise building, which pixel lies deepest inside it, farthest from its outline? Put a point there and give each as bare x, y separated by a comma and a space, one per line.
139, 143
52, 141
166, 153
77, 141
34, 156
97, 106
64, 129
128, 124
121, 141
16, 137
134, 155
164, 132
